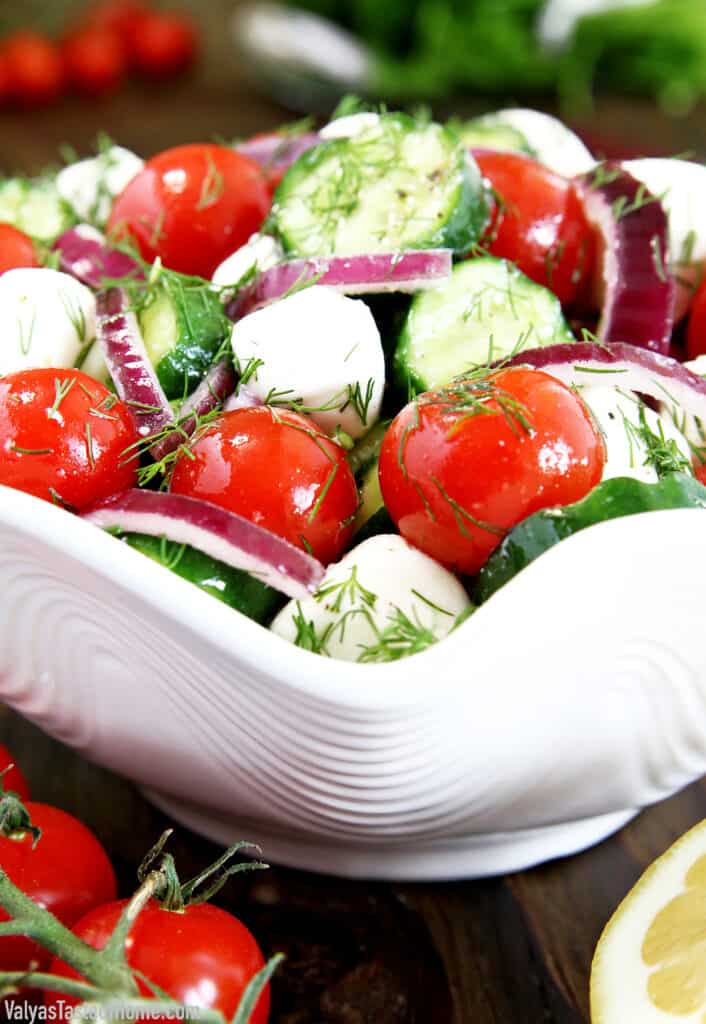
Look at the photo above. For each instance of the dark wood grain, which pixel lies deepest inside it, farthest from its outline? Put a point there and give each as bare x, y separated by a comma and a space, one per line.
503, 951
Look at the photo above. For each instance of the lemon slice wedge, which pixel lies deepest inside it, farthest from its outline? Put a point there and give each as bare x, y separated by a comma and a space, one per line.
650, 962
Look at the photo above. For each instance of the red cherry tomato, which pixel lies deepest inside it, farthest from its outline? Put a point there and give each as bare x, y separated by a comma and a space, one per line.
202, 956
163, 44
121, 16
16, 249
538, 223
13, 781
95, 60
460, 466
62, 437
67, 871
696, 327
5, 79
192, 206
279, 471
35, 68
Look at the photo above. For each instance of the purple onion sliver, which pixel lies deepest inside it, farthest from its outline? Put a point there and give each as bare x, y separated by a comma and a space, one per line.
364, 274
630, 367
211, 392
223, 535
243, 398
638, 290
85, 254
123, 349
277, 152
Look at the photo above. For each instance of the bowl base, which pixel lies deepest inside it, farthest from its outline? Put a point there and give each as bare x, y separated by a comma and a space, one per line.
473, 856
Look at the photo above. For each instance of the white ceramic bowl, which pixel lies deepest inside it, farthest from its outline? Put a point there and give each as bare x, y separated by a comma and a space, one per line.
575, 696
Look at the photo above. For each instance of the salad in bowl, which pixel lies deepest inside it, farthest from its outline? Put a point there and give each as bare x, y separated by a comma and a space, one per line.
354, 383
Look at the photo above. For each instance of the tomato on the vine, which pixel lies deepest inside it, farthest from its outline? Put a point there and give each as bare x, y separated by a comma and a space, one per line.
538, 223
35, 69
163, 44
201, 955
16, 249
67, 871
192, 206
276, 468
13, 780
95, 60
63, 437
461, 466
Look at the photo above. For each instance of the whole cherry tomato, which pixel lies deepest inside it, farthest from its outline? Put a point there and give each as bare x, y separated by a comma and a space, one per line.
461, 466
67, 871
35, 68
13, 781
192, 206
121, 16
538, 223
63, 436
277, 469
95, 60
16, 249
696, 327
163, 44
201, 955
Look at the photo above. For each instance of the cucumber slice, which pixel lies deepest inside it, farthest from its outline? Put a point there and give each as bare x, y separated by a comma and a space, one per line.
619, 496
234, 587
398, 184
35, 207
372, 517
487, 310
183, 326
490, 132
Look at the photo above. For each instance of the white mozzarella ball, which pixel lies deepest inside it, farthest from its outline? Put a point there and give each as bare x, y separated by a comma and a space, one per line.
349, 126
319, 350
90, 186
381, 594
46, 319
260, 252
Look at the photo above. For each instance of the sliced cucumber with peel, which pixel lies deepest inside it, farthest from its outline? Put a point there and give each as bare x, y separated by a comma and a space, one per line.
491, 132
398, 184
486, 311
34, 206
183, 326
234, 587
619, 496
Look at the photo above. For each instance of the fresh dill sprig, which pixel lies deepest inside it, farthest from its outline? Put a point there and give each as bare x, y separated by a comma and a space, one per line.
401, 637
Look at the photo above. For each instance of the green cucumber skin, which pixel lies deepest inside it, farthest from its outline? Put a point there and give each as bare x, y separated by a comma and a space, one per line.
489, 132
200, 333
233, 587
407, 377
612, 499
367, 451
460, 231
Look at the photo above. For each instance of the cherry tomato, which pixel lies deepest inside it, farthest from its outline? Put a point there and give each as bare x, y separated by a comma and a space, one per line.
121, 16
67, 872
163, 44
202, 956
13, 781
460, 466
696, 327
95, 60
192, 206
278, 470
34, 66
16, 249
538, 223
699, 470
62, 437
5, 79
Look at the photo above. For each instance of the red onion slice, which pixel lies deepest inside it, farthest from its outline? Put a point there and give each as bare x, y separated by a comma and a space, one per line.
637, 289
635, 369
123, 349
243, 398
277, 152
221, 534
407, 271
84, 253
211, 392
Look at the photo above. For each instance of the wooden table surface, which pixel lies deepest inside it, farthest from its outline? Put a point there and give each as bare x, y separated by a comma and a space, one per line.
514, 950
